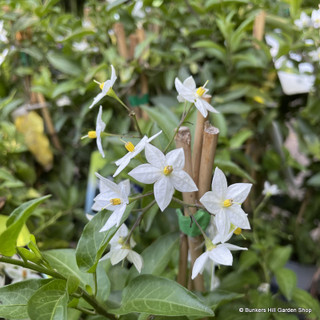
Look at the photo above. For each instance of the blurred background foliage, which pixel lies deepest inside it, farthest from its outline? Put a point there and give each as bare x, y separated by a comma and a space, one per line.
57, 48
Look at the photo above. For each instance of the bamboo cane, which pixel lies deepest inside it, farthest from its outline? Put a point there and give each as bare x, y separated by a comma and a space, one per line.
258, 27
121, 40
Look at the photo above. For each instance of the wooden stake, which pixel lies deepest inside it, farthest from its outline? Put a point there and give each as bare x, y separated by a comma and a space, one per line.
210, 140
183, 140
134, 40
258, 27
121, 40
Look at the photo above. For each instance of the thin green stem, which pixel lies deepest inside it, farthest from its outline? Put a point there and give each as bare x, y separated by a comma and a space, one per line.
198, 225
86, 311
140, 196
183, 118
95, 283
185, 204
49, 222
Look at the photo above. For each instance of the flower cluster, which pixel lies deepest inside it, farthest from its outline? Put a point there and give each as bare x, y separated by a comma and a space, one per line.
305, 21
166, 173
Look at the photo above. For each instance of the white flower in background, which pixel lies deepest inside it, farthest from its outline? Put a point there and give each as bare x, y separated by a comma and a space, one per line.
303, 22
270, 189
217, 253
315, 18
105, 87
17, 273
166, 172
188, 92
63, 101
3, 55
225, 202
315, 55
137, 10
80, 46
100, 126
305, 67
133, 151
113, 197
2, 280
120, 250
3, 33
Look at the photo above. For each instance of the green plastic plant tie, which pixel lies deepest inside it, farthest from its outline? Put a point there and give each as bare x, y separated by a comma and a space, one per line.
188, 227
137, 100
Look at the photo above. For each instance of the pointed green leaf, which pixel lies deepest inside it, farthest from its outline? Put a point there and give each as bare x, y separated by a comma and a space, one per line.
160, 296
287, 281
49, 302
93, 243
16, 221
14, 298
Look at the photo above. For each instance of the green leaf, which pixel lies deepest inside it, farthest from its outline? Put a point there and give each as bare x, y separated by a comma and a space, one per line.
61, 63
303, 299
165, 123
157, 256
64, 87
160, 296
16, 221
64, 261
34, 52
14, 298
72, 284
240, 137
78, 34
215, 49
278, 257
217, 297
236, 107
314, 181
247, 259
23, 23
93, 243
49, 302
233, 168
28, 255
287, 281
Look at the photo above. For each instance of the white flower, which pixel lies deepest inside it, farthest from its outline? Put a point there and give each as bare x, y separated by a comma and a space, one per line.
17, 273
80, 46
3, 55
113, 197
133, 151
303, 22
270, 189
166, 172
105, 87
2, 280
3, 33
315, 55
225, 202
188, 92
63, 101
315, 18
137, 11
218, 254
120, 249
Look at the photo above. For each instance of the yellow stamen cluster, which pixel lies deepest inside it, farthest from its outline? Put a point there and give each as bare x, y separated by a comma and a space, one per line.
167, 170
92, 134
201, 91
115, 201
227, 203
237, 231
258, 99
121, 240
126, 246
101, 85
129, 146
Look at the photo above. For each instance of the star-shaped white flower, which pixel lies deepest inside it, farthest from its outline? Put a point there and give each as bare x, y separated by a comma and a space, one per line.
17, 273
188, 92
303, 22
315, 55
3, 33
218, 254
133, 151
105, 87
315, 18
225, 202
120, 250
166, 172
113, 197
270, 189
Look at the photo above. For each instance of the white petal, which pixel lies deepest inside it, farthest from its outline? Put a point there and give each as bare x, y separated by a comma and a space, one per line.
145, 173
112, 221
182, 181
107, 85
99, 145
154, 136
125, 188
232, 247
175, 158
136, 259
222, 223
238, 217
97, 99
163, 192
124, 162
221, 255
107, 185
219, 184
238, 192
207, 105
155, 157
183, 91
211, 202
118, 256
190, 83
199, 264
200, 106
120, 213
